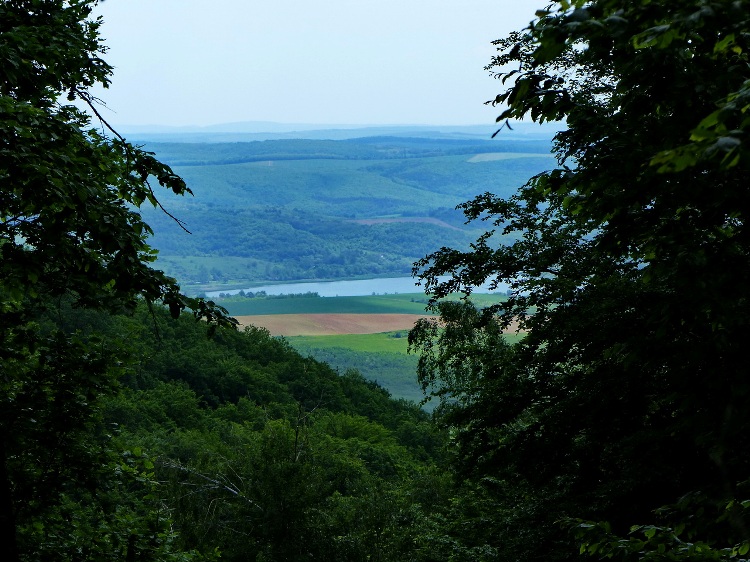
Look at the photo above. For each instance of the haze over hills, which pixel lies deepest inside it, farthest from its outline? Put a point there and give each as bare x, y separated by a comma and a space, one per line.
248, 131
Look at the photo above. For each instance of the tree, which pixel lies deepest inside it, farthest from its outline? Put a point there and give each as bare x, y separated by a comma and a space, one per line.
629, 273
69, 230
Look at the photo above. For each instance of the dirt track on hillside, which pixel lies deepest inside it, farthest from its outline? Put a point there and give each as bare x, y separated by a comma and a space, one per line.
330, 324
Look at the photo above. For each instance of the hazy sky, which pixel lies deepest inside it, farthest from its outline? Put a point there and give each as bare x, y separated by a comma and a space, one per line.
201, 62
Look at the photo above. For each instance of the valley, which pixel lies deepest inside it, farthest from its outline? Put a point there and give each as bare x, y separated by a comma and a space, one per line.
288, 215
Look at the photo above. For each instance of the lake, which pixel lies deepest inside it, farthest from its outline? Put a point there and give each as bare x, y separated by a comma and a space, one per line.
359, 287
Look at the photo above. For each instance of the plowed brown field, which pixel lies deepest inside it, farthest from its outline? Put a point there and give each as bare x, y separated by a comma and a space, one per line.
330, 324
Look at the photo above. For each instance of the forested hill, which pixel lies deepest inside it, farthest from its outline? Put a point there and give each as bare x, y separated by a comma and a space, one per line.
240, 444
323, 209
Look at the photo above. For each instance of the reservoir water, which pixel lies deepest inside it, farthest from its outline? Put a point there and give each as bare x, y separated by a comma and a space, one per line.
359, 287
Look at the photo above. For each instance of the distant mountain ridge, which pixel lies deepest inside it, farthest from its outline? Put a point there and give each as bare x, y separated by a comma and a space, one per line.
266, 130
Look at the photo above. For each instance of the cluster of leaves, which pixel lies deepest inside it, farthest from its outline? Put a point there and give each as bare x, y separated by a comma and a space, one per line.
67, 223
630, 276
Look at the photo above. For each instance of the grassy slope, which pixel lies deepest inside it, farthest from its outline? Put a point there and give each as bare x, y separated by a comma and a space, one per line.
379, 357
386, 342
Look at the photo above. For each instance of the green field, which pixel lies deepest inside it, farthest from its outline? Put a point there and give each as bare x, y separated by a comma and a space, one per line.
379, 357
386, 342
373, 304
404, 303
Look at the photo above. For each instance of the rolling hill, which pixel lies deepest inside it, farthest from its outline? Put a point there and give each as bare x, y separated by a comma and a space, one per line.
281, 210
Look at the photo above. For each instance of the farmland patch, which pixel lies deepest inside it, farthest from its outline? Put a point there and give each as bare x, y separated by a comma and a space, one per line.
329, 324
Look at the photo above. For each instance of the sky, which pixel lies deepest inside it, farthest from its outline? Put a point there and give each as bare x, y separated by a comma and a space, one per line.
355, 62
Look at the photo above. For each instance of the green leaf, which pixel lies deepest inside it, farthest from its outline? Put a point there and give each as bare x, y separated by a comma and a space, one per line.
724, 44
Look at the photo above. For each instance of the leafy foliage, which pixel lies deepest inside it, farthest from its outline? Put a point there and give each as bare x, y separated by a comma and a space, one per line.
630, 274
262, 453
68, 231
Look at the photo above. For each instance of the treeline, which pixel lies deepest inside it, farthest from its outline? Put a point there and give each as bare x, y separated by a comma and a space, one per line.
242, 295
